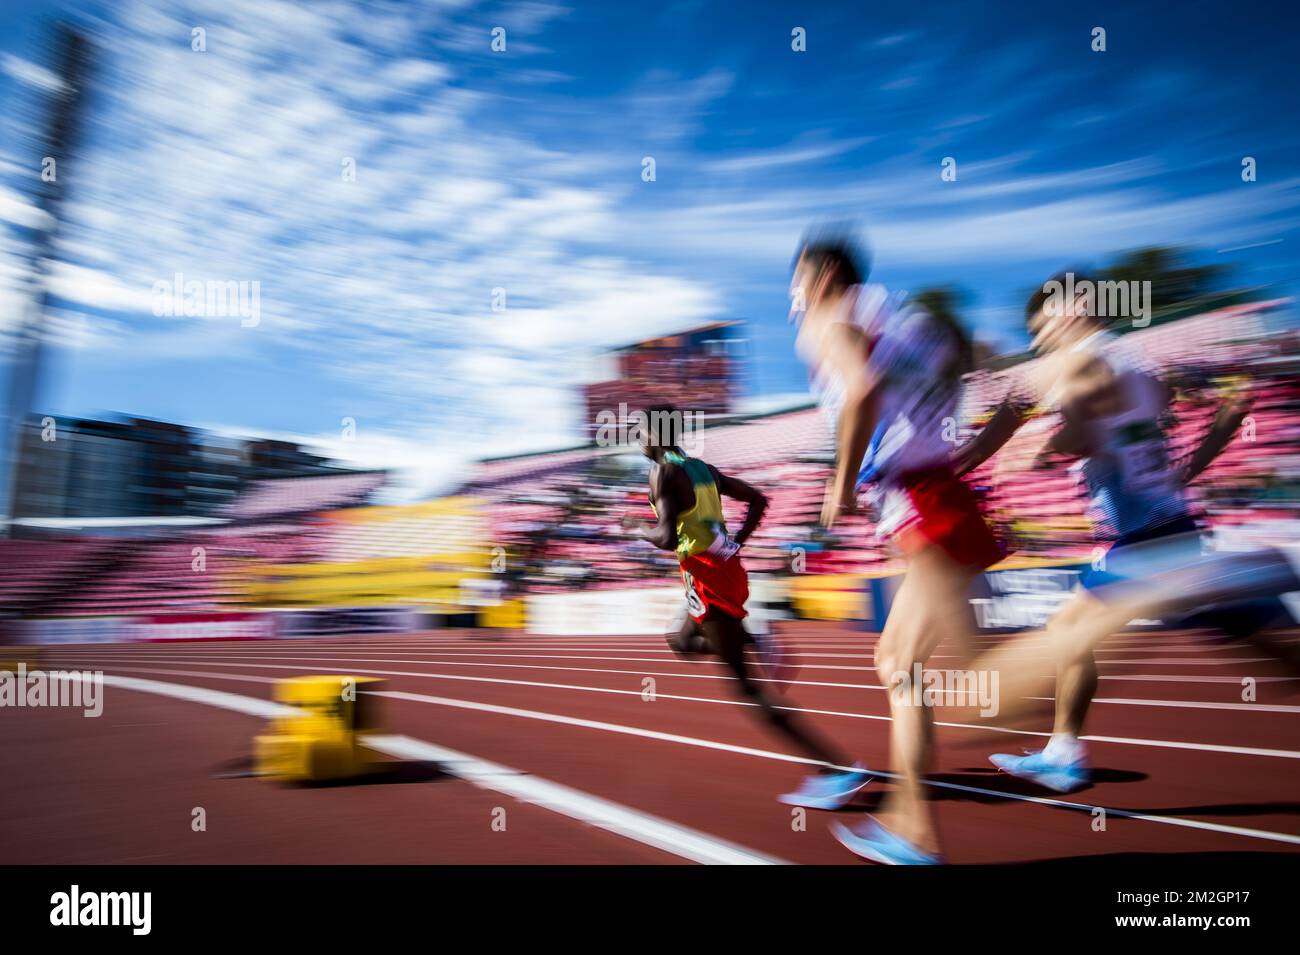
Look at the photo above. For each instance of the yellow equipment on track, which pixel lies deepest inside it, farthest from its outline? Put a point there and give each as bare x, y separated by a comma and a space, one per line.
325, 740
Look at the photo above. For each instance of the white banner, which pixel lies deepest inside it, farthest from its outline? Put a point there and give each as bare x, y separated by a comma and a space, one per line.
636, 612
73, 630
654, 610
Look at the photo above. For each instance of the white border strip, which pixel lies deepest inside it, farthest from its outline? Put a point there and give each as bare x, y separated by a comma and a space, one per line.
181, 691
748, 751
601, 813
612, 817
577, 687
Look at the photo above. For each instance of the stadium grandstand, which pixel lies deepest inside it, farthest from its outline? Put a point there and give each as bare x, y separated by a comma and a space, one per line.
552, 520
565, 507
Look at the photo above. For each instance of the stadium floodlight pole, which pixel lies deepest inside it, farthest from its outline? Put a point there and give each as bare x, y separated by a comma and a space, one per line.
72, 68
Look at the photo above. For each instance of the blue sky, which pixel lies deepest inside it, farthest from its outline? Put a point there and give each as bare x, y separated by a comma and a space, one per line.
522, 170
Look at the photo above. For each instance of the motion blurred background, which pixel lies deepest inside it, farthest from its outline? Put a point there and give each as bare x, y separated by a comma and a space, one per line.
310, 310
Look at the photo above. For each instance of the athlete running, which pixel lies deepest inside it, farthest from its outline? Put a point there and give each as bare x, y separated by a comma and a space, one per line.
890, 374
1111, 413
685, 494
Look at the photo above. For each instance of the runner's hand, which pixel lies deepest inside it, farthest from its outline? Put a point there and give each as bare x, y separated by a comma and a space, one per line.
832, 510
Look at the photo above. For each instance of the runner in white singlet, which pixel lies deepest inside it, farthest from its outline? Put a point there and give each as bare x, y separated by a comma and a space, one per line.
1111, 412
890, 373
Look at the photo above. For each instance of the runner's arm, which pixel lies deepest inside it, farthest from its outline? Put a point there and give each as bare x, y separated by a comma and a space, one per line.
1068, 441
1225, 425
740, 491
663, 534
1008, 419
850, 354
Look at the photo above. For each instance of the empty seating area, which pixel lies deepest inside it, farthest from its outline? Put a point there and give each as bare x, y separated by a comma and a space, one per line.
1041, 511
558, 518
288, 496
193, 572
32, 571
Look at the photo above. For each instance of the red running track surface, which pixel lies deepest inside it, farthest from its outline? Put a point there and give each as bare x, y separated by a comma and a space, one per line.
1183, 764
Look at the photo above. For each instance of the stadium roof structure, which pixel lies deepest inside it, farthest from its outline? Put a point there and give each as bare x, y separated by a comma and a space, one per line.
112, 523
653, 339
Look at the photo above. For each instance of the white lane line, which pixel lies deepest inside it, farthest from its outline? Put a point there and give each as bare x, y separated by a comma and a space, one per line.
1195, 704
611, 816
1189, 704
749, 751
664, 656
1122, 740
616, 672
233, 652
235, 655
142, 654
803, 635
857, 645
1167, 678
601, 813
1166, 661
248, 705
258, 707
500, 649
657, 644
853, 638
811, 636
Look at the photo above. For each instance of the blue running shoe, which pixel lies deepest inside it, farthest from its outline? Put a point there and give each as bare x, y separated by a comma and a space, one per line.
1035, 767
873, 841
829, 790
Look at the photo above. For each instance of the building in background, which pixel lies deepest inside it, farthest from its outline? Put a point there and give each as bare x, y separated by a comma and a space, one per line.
139, 467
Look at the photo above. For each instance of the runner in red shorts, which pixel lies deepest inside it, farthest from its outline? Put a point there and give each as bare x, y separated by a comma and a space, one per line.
686, 496
890, 374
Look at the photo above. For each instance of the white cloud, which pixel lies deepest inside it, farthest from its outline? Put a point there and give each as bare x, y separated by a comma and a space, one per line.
227, 165
16, 209
792, 155
30, 74
383, 284
97, 288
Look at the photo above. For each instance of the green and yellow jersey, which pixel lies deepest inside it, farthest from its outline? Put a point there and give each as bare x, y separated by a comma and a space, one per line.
702, 528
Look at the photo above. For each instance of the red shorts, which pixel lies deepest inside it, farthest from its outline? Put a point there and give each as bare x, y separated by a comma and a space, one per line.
941, 510
715, 584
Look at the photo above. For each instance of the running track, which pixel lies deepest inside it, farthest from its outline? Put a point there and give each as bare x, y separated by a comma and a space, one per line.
560, 739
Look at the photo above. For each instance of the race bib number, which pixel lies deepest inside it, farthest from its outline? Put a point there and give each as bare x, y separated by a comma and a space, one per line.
693, 602
1144, 461
723, 547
